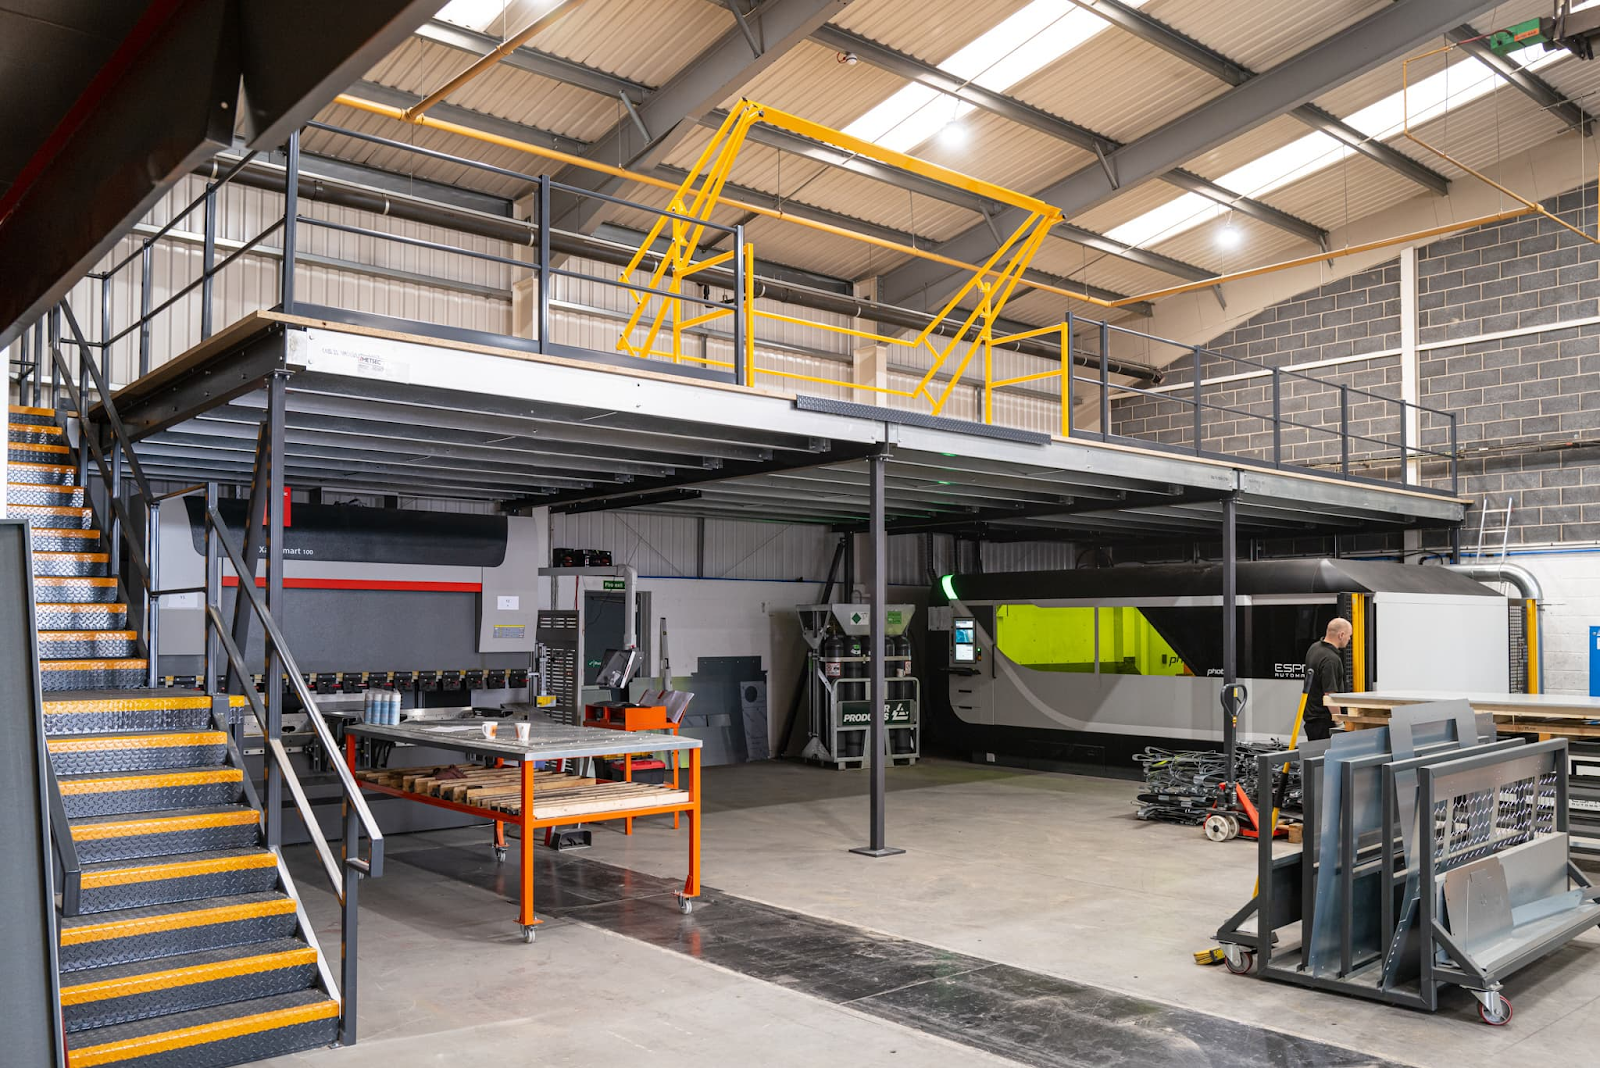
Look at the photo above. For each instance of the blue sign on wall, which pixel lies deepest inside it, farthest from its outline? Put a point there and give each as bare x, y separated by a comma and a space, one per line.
1594, 661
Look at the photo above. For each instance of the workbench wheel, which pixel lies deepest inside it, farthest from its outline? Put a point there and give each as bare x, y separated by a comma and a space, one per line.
1247, 961
685, 904
1498, 1019
527, 933
1216, 827
500, 854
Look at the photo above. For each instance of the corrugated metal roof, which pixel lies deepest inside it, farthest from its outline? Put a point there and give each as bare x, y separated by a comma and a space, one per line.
1261, 34
642, 40
931, 30
1151, 86
810, 81
1349, 190
1258, 244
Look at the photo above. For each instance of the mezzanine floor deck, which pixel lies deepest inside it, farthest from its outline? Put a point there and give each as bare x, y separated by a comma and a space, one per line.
382, 411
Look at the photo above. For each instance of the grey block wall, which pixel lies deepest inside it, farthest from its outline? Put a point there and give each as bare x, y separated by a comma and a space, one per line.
1528, 403
1350, 317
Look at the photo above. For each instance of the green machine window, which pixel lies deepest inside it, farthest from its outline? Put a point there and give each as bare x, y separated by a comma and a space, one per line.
1063, 639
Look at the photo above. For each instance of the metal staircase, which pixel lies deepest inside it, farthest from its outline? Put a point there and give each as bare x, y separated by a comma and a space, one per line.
182, 938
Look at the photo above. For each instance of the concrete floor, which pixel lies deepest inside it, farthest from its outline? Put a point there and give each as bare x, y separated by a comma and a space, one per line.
1045, 872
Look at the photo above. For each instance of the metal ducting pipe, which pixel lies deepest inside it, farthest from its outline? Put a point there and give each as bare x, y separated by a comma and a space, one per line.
1527, 585
258, 175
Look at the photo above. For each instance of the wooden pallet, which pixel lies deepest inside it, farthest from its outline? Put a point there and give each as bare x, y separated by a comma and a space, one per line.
500, 790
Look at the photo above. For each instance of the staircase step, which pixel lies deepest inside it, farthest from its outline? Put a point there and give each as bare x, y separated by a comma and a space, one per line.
151, 790
31, 432
37, 452
130, 836
53, 515
70, 565
54, 496
41, 474
22, 409
121, 993
56, 675
210, 1038
183, 877
48, 616
102, 754
163, 930
77, 644
103, 712
64, 540
69, 589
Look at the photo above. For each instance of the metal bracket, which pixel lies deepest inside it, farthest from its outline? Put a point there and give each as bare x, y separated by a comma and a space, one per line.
633, 113
744, 27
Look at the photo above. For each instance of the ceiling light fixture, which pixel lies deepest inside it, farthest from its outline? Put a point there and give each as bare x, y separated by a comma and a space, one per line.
1229, 236
953, 135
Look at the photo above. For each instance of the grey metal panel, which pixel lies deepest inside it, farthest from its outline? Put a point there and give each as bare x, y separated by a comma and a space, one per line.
29, 987
527, 550
547, 741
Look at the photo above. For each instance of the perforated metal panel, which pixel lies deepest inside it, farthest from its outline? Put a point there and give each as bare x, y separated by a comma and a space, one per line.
558, 631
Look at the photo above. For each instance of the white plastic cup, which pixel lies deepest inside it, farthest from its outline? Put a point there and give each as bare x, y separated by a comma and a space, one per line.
524, 729
489, 728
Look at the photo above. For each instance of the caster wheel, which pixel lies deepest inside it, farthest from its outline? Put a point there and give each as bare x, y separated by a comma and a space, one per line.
685, 905
527, 934
1247, 961
1216, 828
1499, 1019
500, 854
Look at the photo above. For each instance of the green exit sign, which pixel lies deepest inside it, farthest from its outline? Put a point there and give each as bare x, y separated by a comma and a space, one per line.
613, 584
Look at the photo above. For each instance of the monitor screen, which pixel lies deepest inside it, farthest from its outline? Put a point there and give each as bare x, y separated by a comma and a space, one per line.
616, 668
963, 641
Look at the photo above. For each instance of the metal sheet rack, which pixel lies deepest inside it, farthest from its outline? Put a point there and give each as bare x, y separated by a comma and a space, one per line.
1434, 854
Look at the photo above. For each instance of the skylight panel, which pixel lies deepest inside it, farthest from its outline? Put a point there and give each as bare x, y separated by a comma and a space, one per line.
1020, 46
473, 14
1462, 82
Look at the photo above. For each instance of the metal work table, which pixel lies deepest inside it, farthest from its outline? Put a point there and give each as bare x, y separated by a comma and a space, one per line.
1544, 714
511, 797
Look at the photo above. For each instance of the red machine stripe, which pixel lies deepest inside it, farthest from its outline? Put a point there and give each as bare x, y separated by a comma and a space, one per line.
364, 584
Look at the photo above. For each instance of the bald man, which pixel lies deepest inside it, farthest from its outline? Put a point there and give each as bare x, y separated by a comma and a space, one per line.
1325, 675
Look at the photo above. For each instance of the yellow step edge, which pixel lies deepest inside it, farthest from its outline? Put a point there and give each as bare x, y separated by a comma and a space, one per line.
99, 832
68, 580
91, 665
37, 446
50, 509
127, 986
100, 743
165, 1041
116, 784
108, 607
44, 486
185, 869
34, 465
36, 428
23, 409
176, 921
67, 532
83, 635
81, 558
133, 704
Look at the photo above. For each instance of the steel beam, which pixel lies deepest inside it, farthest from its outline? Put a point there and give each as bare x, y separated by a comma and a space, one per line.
1536, 88
1377, 39
913, 69
1153, 31
878, 736
672, 111
533, 61
478, 120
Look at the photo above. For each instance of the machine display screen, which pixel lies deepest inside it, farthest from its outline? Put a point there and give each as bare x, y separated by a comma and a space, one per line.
963, 641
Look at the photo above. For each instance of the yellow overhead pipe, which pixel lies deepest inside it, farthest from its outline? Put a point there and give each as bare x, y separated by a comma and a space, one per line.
567, 158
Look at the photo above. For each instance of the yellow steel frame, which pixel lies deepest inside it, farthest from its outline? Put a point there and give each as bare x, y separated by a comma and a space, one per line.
660, 307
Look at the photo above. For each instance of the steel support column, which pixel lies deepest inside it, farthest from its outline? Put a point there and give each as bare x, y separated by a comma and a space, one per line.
272, 433
1230, 637
878, 743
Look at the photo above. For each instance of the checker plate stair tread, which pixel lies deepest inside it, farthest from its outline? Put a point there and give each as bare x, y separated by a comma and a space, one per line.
135, 835
125, 884
149, 790
114, 753
65, 539
90, 616
209, 1038
120, 993
50, 496
51, 564
89, 643
71, 589
124, 711
136, 934
59, 675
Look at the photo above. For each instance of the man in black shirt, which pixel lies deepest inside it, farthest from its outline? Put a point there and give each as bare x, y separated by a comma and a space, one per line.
1325, 675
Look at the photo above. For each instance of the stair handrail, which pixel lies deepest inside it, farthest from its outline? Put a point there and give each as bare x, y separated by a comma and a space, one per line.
372, 865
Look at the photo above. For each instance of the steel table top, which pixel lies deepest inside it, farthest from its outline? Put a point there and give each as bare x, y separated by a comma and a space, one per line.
546, 741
